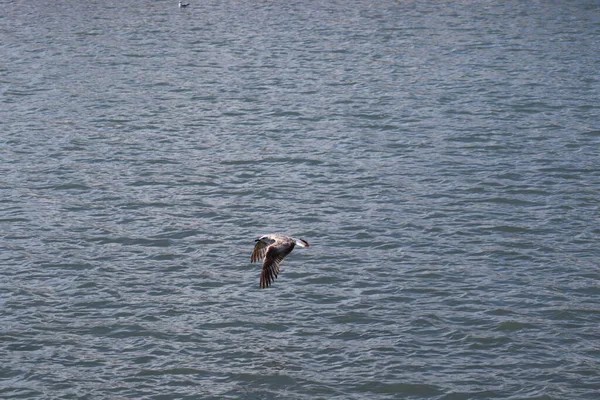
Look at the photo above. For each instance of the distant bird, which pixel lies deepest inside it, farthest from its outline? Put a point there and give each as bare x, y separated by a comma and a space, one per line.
273, 248
181, 5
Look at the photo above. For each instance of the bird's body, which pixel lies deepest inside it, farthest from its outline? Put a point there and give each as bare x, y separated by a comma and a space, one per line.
273, 248
182, 5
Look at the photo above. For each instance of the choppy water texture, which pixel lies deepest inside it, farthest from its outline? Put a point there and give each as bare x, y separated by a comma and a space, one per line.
442, 158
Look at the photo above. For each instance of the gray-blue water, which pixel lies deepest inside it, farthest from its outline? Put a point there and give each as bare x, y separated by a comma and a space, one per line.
442, 158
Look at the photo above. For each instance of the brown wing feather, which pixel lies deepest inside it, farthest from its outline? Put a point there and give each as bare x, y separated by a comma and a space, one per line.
259, 251
274, 256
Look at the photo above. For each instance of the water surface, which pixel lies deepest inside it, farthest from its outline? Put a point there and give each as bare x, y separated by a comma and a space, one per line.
441, 159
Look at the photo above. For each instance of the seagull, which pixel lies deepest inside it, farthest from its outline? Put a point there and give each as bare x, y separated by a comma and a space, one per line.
273, 248
181, 5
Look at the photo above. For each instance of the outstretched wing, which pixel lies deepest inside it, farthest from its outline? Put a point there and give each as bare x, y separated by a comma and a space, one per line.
273, 257
259, 251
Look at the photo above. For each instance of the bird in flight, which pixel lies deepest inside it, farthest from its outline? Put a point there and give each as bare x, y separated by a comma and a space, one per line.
273, 248
182, 5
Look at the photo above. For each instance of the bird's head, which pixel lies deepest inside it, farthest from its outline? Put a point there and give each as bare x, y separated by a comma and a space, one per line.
302, 243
